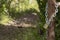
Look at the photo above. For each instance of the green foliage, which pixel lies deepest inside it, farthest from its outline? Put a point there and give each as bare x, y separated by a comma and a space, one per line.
57, 27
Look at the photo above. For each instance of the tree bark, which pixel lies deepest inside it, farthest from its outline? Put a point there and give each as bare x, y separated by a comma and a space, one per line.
51, 10
51, 33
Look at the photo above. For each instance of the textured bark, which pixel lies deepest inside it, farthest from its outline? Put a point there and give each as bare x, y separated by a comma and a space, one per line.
51, 10
51, 33
51, 7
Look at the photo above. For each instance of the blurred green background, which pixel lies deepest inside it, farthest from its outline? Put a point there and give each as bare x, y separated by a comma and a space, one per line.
13, 9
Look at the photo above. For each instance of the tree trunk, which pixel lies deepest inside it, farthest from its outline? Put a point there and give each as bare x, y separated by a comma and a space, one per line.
51, 10
51, 33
